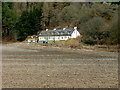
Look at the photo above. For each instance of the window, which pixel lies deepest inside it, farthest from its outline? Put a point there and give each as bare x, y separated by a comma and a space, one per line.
69, 32
59, 33
41, 38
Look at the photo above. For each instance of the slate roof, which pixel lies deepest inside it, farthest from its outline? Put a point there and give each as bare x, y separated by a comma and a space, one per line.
58, 32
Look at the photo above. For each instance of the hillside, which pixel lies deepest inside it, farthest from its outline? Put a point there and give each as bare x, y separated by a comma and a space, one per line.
97, 22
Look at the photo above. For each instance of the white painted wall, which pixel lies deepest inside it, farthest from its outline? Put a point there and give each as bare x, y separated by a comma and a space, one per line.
75, 34
52, 38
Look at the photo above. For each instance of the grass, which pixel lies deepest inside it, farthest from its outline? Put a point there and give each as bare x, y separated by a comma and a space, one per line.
75, 43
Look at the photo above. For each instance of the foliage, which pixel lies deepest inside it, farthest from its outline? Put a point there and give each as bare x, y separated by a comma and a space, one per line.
92, 30
29, 23
9, 19
97, 22
114, 33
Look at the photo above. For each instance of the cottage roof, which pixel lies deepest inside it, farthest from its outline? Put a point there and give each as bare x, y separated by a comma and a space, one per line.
59, 32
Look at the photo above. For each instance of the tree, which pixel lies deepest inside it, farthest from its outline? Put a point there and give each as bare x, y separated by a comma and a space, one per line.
114, 33
91, 30
9, 19
29, 23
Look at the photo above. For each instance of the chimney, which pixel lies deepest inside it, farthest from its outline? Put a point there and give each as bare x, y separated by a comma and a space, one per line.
75, 28
46, 29
64, 28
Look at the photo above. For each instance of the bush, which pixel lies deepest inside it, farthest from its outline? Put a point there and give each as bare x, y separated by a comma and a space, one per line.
91, 30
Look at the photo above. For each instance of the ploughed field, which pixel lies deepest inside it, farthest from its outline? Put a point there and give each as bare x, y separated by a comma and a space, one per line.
35, 66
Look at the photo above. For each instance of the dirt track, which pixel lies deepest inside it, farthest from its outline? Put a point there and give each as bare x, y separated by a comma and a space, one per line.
35, 66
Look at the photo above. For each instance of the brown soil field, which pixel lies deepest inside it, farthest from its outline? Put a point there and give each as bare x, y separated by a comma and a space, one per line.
27, 65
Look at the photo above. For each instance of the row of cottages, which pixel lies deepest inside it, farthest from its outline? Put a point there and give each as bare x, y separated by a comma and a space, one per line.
58, 34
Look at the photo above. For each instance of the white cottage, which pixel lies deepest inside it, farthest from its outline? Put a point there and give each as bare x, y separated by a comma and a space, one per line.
58, 34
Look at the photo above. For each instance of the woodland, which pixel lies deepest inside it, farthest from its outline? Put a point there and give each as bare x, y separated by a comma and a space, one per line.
97, 22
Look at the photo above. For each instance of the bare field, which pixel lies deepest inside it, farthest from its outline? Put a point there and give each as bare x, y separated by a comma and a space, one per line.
35, 66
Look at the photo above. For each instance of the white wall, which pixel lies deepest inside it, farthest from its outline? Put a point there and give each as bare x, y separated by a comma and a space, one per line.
75, 34
52, 38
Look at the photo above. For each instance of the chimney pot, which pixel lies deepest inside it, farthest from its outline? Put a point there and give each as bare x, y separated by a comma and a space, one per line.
46, 29
64, 28
75, 28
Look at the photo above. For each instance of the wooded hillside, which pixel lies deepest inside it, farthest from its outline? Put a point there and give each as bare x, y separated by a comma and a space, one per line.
97, 22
